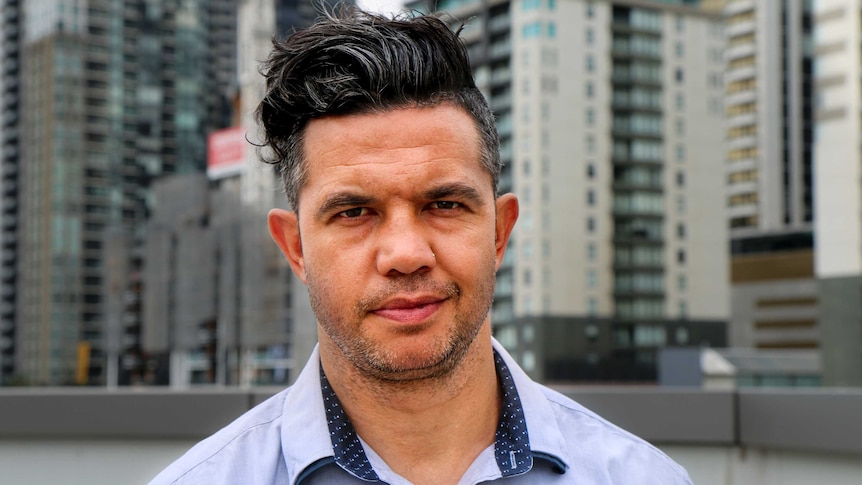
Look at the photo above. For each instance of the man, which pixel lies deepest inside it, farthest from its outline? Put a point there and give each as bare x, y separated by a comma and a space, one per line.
390, 161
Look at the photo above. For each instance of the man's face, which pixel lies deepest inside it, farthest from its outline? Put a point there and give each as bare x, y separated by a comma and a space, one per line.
398, 238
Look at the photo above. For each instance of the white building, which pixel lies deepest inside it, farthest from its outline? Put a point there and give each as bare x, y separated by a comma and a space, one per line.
610, 119
769, 130
838, 192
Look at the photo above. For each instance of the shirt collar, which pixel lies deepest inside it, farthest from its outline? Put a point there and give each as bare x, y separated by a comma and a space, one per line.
512, 442
327, 433
546, 439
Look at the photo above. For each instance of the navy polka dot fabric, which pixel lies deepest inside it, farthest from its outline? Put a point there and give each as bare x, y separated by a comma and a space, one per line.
511, 448
349, 454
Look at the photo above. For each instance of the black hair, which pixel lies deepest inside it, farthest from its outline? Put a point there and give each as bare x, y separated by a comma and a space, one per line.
350, 61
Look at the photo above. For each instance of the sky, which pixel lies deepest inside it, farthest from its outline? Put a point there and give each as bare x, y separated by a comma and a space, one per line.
381, 6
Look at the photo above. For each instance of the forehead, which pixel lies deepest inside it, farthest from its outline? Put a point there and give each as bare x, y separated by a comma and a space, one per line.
431, 141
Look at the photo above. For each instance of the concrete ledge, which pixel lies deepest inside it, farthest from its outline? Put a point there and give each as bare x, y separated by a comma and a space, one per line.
665, 415
149, 414
823, 420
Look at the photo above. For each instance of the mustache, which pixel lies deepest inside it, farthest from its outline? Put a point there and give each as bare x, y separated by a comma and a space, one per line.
412, 283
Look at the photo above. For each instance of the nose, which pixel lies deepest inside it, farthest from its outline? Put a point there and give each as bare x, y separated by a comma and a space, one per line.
403, 247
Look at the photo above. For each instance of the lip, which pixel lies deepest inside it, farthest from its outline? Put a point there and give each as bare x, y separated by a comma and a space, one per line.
409, 310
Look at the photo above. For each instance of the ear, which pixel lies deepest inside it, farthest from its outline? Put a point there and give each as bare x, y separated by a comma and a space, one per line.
284, 229
507, 214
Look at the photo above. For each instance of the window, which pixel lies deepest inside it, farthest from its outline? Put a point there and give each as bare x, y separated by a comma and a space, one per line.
552, 30
526, 167
531, 30
591, 198
591, 171
527, 277
680, 179
592, 306
680, 230
680, 256
682, 336
650, 335
681, 282
680, 101
679, 75
680, 153
590, 63
741, 62
591, 224
591, 116
592, 279
549, 84
679, 49
590, 9
589, 35
590, 89
591, 251
527, 250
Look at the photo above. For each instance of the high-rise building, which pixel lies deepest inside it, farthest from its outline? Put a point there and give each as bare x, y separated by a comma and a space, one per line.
10, 156
838, 194
769, 119
117, 93
607, 113
222, 306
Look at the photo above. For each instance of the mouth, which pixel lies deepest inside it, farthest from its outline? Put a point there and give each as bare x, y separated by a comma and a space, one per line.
409, 310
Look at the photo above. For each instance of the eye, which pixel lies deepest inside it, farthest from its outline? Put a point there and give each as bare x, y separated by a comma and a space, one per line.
353, 213
446, 205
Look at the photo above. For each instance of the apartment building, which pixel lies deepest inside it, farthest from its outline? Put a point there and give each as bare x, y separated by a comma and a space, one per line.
117, 94
222, 306
10, 156
608, 113
770, 190
838, 194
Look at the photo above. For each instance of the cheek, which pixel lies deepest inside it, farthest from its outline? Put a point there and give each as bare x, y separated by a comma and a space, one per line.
470, 260
335, 270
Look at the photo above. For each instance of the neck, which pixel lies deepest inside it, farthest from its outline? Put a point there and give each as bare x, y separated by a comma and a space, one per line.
422, 426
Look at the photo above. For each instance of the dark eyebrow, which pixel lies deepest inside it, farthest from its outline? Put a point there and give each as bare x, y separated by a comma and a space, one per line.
343, 201
455, 191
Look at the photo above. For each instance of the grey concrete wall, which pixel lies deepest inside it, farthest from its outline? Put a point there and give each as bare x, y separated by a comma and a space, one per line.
94, 437
823, 420
841, 324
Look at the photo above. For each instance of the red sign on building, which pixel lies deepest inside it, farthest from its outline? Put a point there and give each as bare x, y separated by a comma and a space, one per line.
226, 152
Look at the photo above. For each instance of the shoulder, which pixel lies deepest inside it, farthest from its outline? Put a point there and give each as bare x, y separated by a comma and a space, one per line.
611, 450
250, 444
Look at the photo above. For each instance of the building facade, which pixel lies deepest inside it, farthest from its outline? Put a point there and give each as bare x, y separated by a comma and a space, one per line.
10, 156
117, 94
221, 304
607, 113
769, 124
838, 254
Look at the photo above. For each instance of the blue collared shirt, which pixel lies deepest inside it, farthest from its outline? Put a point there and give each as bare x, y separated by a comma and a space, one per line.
301, 436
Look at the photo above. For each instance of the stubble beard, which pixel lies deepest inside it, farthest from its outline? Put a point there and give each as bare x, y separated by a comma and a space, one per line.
373, 361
